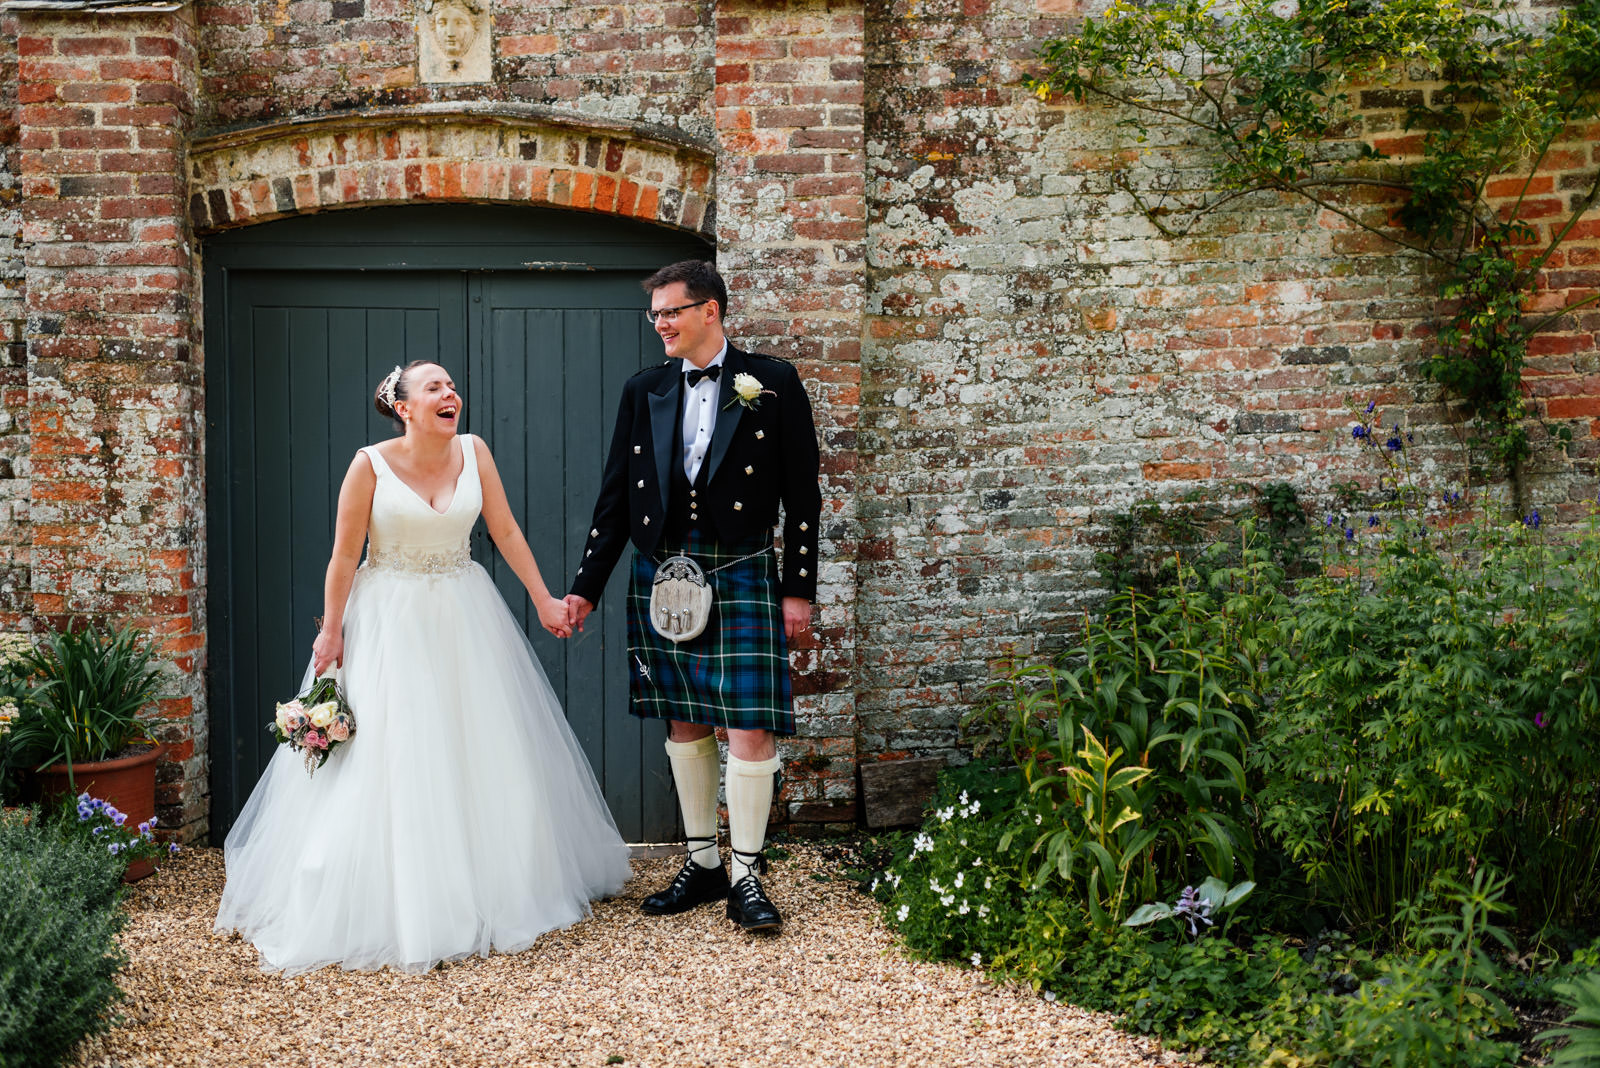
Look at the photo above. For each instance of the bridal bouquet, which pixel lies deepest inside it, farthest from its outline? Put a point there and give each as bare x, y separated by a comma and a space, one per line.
315, 723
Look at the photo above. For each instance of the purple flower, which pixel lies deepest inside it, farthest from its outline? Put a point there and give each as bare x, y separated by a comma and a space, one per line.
115, 848
1538, 720
1372, 521
1329, 522
1371, 405
1349, 533
172, 848
1395, 444
1358, 432
1532, 520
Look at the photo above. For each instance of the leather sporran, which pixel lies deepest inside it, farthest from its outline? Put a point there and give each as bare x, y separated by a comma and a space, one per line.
680, 599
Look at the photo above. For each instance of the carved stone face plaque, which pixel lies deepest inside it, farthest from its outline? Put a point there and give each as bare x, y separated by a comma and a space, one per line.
453, 41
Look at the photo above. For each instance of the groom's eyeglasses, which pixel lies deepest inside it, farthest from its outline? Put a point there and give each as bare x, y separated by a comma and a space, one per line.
669, 314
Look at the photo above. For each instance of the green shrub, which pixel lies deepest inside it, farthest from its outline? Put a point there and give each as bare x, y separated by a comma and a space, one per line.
1580, 995
58, 953
1132, 745
1437, 709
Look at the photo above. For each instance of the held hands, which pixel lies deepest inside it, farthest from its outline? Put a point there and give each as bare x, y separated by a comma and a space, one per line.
556, 616
579, 609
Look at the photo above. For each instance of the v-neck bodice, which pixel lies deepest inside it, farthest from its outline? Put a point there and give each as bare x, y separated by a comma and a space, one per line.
407, 532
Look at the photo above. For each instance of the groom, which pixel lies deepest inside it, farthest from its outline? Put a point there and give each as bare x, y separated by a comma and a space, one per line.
707, 445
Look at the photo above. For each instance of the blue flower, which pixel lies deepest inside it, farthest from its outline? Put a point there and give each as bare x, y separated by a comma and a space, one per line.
1349, 533
1532, 520
1395, 444
1372, 521
172, 848
96, 831
1358, 432
1329, 523
1371, 405
114, 848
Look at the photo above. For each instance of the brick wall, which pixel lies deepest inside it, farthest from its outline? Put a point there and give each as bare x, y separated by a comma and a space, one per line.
113, 385
13, 360
648, 63
1039, 357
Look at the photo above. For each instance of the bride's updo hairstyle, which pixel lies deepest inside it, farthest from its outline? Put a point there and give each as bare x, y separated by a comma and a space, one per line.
394, 388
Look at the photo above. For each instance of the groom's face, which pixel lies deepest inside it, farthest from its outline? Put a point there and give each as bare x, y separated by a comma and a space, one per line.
688, 333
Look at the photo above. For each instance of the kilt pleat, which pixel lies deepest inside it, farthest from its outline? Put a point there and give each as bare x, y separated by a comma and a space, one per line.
736, 672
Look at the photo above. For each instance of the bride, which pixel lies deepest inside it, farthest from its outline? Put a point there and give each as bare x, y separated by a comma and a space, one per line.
462, 817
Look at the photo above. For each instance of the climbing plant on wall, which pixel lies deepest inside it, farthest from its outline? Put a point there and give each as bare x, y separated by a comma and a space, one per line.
1273, 86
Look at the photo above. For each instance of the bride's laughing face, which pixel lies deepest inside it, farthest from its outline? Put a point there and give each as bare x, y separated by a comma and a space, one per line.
432, 404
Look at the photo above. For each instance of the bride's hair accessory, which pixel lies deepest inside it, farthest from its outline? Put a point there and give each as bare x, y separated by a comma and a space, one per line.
387, 387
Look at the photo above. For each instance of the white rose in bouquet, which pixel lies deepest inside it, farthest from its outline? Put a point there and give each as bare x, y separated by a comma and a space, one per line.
322, 715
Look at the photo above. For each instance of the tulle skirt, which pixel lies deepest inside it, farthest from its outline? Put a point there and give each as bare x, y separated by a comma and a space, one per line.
462, 817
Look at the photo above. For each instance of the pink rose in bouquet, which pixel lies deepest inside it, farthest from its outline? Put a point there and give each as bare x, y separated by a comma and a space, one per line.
339, 730
314, 740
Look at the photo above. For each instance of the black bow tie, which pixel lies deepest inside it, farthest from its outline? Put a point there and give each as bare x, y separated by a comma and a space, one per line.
694, 374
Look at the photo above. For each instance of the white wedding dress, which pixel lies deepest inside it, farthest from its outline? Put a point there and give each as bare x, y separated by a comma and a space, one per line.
462, 816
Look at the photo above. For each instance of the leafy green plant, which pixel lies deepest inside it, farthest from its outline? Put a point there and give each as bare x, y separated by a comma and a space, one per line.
1132, 744
1435, 1007
86, 689
58, 954
1273, 91
1582, 1025
1195, 907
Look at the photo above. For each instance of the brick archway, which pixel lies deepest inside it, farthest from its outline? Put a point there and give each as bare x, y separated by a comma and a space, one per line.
270, 172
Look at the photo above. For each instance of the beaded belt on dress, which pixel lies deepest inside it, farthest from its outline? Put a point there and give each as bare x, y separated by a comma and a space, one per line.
416, 562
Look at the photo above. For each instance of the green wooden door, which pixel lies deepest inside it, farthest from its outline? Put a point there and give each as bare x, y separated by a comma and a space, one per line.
302, 319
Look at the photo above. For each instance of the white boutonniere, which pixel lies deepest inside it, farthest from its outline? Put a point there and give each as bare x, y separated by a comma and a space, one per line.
747, 390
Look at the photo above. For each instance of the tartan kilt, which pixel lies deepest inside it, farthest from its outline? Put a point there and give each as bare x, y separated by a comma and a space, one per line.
736, 672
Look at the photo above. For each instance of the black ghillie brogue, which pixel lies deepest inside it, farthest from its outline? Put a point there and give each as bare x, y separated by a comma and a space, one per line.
748, 904
692, 887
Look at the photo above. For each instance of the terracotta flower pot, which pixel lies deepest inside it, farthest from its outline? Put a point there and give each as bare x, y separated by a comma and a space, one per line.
127, 783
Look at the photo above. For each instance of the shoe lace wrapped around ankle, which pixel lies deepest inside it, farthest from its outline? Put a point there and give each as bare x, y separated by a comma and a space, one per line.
755, 863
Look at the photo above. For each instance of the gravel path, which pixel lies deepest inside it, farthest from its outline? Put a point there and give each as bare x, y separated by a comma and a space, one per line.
620, 988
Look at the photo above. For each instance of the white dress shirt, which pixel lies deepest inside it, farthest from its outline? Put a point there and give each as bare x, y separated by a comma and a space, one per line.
700, 415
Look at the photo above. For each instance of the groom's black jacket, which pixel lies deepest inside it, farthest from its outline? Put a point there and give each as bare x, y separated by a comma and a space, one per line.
759, 457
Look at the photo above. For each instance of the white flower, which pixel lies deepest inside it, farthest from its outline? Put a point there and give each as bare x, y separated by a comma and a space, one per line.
933, 884
965, 908
946, 813
894, 877
963, 799
905, 910
988, 883
1038, 818
322, 715
977, 960
947, 900
983, 912
975, 807
283, 718
977, 862
746, 387
922, 844
8, 712
874, 883
961, 877
13, 646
